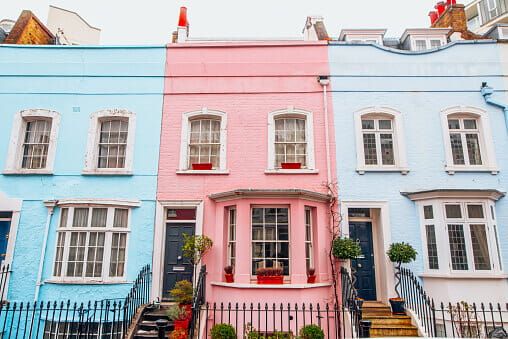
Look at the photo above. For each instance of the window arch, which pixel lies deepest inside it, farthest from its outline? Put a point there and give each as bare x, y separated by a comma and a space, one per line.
291, 140
203, 145
110, 147
33, 142
380, 140
468, 140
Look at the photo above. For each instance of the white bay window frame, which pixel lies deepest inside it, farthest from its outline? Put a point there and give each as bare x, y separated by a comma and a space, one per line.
397, 131
16, 144
486, 142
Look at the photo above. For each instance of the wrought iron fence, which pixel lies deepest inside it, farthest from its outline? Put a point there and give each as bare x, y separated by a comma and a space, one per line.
4, 276
350, 299
198, 299
138, 296
281, 321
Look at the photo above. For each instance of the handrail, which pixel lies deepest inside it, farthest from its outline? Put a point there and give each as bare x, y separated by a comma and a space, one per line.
198, 299
350, 299
138, 295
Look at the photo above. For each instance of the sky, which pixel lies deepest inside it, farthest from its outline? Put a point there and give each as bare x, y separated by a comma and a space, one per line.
152, 21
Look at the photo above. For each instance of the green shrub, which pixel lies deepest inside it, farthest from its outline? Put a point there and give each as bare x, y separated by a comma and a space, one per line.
182, 292
223, 331
269, 271
346, 248
401, 252
312, 332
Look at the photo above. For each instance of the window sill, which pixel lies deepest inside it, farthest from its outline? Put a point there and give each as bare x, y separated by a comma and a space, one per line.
207, 172
104, 172
27, 172
452, 169
471, 275
283, 286
291, 171
402, 170
87, 282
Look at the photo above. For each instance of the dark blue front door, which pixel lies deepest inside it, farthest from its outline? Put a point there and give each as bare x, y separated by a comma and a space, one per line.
5, 226
365, 274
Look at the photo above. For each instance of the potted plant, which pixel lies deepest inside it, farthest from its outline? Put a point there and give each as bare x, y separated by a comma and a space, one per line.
178, 334
291, 165
399, 253
270, 275
228, 272
311, 276
312, 332
195, 248
180, 316
206, 166
346, 248
182, 293
223, 331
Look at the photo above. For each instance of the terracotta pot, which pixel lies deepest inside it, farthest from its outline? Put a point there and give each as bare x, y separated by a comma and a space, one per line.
202, 167
181, 324
230, 278
188, 308
291, 165
311, 279
270, 280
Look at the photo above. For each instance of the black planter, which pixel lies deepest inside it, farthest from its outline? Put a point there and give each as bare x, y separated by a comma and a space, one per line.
397, 305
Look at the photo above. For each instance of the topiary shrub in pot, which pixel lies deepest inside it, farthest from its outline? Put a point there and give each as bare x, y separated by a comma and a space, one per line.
311, 275
346, 248
182, 293
399, 253
180, 317
311, 332
223, 331
228, 273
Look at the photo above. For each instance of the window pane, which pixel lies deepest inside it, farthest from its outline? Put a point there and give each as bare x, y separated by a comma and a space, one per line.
457, 243
95, 254
76, 256
497, 248
204, 143
367, 124
421, 45
480, 247
118, 246
99, 216
387, 149
475, 211
121, 217
457, 151
453, 211
469, 124
435, 43
453, 124
231, 236
432, 247
369, 149
428, 212
473, 149
385, 124
64, 215
36, 144
57, 271
112, 143
290, 141
80, 217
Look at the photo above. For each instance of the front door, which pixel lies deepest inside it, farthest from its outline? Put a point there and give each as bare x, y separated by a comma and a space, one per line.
176, 267
363, 267
5, 227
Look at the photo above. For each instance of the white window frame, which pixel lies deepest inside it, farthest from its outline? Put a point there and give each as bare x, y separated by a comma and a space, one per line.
230, 241
427, 39
108, 230
489, 163
15, 152
310, 241
399, 147
92, 148
440, 223
291, 112
184, 144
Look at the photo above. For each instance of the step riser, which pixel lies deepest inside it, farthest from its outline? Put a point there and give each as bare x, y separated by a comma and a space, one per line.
389, 321
393, 332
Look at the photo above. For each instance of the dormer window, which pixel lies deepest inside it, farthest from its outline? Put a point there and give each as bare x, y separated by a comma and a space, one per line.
363, 35
424, 39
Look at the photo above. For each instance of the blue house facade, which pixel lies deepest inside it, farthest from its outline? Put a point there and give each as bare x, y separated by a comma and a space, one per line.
421, 158
80, 127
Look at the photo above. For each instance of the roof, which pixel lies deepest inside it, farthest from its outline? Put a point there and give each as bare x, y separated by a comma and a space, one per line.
492, 194
19, 27
424, 31
361, 31
269, 193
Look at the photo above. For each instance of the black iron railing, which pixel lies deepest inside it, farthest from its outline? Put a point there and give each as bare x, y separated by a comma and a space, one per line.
138, 296
350, 299
4, 276
255, 320
198, 300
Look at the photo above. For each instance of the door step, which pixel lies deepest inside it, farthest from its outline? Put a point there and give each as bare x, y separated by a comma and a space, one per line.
386, 324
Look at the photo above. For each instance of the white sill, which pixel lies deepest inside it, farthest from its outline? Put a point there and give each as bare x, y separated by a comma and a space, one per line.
468, 275
216, 172
452, 169
274, 286
106, 172
86, 282
27, 172
402, 170
291, 171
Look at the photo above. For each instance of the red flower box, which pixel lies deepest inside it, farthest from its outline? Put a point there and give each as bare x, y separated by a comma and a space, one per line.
202, 166
270, 280
230, 278
181, 324
311, 279
291, 165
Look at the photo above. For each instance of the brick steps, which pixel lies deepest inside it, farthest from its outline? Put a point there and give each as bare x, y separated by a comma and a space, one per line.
386, 324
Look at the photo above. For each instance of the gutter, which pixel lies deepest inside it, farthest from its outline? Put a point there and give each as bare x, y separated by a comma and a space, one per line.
487, 92
50, 205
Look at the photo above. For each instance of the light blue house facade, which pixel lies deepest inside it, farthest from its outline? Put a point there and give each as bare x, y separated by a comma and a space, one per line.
421, 158
80, 129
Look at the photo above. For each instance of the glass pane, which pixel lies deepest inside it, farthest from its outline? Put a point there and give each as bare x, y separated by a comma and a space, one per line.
387, 149
457, 150
432, 247
270, 232
64, 214
453, 124
36, 143
435, 43
257, 232
282, 233
367, 124
473, 149
421, 45
270, 215
480, 247
470, 124
257, 215
121, 217
99, 216
369, 149
457, 243
475, 211
257, 250
80, 217
428, 212
385, 124
282, 215
453, 211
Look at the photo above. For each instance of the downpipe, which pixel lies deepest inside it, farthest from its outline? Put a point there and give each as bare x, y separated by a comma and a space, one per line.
487, 92
50, 205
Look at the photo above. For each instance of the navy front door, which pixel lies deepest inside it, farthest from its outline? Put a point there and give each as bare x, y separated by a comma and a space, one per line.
5, 227
364, 266
176, 267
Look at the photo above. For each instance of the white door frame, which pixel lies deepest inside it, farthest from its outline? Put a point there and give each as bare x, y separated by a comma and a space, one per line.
159, 240
14, 206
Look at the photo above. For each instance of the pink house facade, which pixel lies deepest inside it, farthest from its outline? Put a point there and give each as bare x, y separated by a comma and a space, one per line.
247, 151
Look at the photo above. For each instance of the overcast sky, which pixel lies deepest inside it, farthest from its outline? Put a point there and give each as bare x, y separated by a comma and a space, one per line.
152, 21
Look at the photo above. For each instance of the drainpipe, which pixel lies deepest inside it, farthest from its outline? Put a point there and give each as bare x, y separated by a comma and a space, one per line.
324, 81
487, 92
50, 205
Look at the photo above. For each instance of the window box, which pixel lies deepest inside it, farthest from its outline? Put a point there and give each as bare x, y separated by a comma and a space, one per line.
291, 165
270, 279
202, 166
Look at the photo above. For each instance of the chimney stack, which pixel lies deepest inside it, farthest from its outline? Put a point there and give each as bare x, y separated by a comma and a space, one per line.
182, 31
315, 29
452, 15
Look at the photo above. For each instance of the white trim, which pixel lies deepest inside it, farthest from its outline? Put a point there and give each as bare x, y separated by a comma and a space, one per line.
284, 286
362, 34
14, 206
197, 172
424, 33
14, 155
292, 171
489, 163
92, 151
309, 138
159, 240
399, 146
99, 202
184, 144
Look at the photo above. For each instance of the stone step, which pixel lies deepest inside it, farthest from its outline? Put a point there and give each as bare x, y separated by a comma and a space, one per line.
148, 325
140, 334
381, 330
388, 319
152, 316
